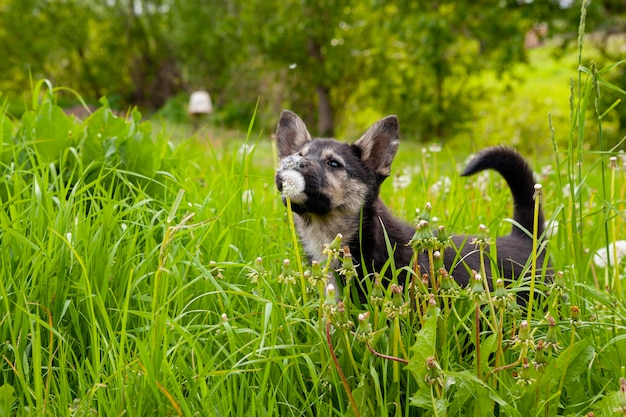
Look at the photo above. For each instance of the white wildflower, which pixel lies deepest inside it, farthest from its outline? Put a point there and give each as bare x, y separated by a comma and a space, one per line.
551, 227
434, 147
443, 185
401, 181
600, 257
246, 197
547, 170
245, 149
567, 192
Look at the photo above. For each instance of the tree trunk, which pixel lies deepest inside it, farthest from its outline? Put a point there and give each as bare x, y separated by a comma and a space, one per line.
325, 122
325, 116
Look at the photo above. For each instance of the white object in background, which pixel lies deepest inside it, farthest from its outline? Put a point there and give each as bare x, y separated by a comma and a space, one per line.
200, 103
600, 257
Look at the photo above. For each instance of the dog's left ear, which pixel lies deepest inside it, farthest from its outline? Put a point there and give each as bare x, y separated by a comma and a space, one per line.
291, 134
379, 145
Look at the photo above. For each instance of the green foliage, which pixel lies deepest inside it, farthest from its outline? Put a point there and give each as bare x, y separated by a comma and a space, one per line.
339, 64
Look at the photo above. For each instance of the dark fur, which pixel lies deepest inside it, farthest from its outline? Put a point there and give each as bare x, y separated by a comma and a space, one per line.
341, 195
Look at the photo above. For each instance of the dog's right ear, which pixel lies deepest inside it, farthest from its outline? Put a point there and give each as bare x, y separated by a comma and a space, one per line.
291, 134
379, 145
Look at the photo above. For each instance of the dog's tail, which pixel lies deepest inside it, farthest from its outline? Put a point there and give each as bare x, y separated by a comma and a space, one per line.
517, 173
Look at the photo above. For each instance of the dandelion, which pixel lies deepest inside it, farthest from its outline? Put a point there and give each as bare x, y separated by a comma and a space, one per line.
330, 303
347, 269
447, 284
316, 277
342, 320
566, 191
246, 197
477, 288
482, 239
286, 276
245, 149
434, 147
600, 257
434, 374
293, 184
215, 269
333, 248
558, 288
433, 308
258, 270
502, 298
524, 338
540, 358
481, 183
575, 317
396, 306
551, 227
552, 340
364, 331
377, 296
546, 171
524, 377
443, 185
401, 181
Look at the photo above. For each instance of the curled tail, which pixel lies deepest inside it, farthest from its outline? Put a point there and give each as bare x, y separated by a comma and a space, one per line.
518, 175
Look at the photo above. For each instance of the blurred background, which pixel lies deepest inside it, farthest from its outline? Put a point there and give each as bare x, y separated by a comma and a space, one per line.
451, 70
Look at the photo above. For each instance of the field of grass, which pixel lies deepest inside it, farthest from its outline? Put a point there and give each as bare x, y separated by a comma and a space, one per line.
140, 277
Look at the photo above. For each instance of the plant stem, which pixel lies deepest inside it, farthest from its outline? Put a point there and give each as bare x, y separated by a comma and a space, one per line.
344, 381
533, 268
294, 239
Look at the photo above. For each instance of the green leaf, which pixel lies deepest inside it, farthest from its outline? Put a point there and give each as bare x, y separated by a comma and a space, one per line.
54, 131
6, 137
7, 398
571, 364
423, 347
424, 398
105, 132
474, 393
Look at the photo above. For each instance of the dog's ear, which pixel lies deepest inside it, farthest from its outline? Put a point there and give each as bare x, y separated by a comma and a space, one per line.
379, 145
291, 134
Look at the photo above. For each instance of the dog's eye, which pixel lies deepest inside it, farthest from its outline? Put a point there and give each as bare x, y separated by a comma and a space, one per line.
334, 163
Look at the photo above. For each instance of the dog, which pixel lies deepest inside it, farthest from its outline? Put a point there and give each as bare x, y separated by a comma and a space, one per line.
334, 189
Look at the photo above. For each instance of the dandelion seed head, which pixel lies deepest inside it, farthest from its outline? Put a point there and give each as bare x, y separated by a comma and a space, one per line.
246, 196
547, 170
434, 148
293, 184
600, 257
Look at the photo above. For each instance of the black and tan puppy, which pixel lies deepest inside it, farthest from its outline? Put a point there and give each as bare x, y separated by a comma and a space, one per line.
334, 188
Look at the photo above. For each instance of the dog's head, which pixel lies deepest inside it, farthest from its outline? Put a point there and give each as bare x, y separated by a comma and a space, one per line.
323, 175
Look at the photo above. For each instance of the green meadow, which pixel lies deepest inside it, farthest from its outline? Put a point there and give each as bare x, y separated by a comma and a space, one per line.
148, 269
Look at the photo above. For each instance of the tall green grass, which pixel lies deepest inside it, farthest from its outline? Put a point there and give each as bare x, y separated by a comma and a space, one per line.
142, 278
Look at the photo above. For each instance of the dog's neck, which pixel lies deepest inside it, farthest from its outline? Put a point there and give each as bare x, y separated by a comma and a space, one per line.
317, 231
